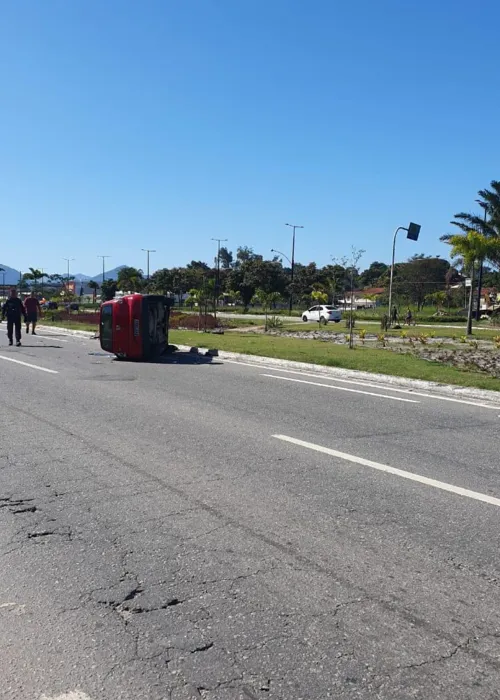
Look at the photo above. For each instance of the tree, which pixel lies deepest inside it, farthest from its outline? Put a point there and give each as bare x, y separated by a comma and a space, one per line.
265, 275
438, 299
420, 276
108, 290
203, 295
237, 284
94, 287
306, 277
225, 258
255, 273
319, 297
267, 300
488, 223
372, 275
33, 276
130, 279
245, 254
351, 267
334, 279
472, 248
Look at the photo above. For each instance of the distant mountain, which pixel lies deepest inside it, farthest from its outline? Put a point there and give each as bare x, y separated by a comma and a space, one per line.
111, 275
82, 278
11, 275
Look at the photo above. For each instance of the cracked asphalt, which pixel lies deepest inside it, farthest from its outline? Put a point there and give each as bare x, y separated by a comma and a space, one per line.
157, 542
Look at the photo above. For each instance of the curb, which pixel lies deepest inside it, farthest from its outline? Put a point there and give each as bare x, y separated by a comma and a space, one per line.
448, 390
67, 331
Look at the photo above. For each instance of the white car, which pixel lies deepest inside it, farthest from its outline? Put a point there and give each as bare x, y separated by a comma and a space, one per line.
323, 314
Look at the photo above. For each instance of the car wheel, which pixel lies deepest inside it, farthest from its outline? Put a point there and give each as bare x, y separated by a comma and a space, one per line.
304, 318
337, 320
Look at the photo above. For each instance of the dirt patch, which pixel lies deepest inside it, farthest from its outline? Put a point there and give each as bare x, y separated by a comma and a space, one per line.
476, 360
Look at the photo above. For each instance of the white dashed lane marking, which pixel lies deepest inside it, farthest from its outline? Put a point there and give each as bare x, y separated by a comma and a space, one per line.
458, 490
28, 364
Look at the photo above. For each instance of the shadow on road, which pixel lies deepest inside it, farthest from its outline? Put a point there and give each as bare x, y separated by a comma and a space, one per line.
178, 358
42, 347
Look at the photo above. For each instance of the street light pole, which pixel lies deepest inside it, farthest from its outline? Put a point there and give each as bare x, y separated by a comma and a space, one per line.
148, 251
293, 226
413, 232
104, 257
273, 250
68, 260
400, 228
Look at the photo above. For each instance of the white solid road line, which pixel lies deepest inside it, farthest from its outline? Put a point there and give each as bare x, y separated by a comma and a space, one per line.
458, 490
360, 382
51, 336
340, 388
27, 364
74, 695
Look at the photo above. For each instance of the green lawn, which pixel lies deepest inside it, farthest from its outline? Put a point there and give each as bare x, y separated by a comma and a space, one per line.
364, 359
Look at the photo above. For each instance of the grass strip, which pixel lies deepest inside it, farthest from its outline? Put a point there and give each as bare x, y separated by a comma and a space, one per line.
331, 355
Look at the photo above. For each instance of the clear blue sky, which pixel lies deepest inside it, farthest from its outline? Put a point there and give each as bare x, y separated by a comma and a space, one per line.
163, 123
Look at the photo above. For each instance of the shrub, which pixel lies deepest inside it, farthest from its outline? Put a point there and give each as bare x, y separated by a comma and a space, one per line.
274, 323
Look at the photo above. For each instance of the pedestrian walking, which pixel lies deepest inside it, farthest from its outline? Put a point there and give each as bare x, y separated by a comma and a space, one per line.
394, 314
33, 308
14, 310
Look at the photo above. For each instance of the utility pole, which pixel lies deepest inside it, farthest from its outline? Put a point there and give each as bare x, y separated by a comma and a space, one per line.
148, 251
293, 226
68, 260
481, 270
104, 258
217, 282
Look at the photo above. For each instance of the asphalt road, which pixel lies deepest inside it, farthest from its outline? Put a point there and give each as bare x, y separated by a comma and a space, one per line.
213, 530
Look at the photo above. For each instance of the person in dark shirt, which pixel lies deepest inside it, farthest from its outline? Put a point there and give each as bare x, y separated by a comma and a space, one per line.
33, 308
14, 309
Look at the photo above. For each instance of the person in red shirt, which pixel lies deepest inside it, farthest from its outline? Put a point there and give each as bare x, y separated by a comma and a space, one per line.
33, 308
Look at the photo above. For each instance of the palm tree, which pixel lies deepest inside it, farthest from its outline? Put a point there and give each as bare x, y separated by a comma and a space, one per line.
130, 279
94, 287
488, 224
267, 300
34, 275
473, 247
